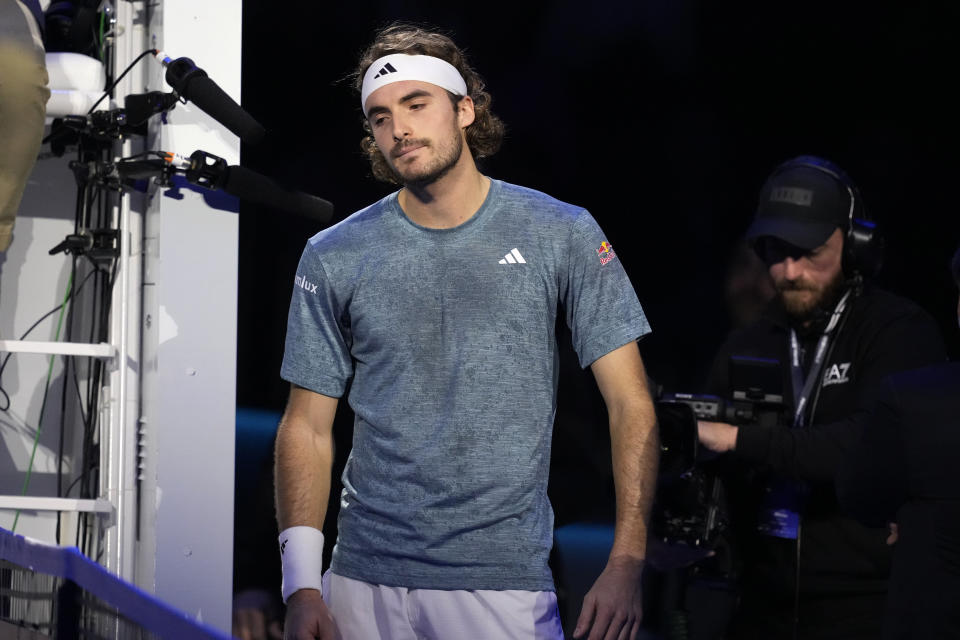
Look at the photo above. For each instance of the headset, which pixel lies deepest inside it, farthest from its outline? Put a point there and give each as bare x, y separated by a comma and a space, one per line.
862, 242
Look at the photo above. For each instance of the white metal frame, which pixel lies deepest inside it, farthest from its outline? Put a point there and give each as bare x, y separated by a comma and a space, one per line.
102, 350
164, 468
28, 503
119, 407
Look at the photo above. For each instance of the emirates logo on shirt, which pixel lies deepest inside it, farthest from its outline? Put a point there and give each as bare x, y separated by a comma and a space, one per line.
305, 284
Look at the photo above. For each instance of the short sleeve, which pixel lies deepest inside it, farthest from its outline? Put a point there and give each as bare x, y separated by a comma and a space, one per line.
601, 306
316, 353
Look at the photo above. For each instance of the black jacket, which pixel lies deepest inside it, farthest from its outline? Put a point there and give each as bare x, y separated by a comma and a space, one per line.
906, 468
880, 334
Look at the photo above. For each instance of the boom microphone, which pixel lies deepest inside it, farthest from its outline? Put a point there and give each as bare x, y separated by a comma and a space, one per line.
212, 172
193, 84
254, 187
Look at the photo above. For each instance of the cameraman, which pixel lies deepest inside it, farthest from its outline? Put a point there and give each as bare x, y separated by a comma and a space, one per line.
905, 470
807, 570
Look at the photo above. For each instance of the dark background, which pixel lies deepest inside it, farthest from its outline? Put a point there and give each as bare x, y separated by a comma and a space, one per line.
662, 118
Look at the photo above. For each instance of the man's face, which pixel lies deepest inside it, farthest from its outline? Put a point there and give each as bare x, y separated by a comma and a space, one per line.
417, 129
806, 281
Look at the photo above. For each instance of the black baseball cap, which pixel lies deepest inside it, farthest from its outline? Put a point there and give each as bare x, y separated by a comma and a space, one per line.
802, 205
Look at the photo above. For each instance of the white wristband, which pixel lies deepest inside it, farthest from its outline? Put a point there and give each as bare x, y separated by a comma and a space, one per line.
301, 557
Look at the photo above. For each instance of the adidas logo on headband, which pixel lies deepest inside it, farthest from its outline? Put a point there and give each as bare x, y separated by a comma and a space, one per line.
387, 68
383, 71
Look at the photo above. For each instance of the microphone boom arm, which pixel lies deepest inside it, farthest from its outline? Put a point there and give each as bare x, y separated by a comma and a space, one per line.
212, 172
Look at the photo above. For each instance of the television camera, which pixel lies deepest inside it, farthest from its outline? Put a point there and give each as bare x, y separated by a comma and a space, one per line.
690, 514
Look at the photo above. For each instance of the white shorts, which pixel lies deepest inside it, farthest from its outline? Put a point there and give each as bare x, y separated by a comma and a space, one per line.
365, 611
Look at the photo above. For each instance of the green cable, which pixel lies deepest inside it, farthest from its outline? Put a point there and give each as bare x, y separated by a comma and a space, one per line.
43, 405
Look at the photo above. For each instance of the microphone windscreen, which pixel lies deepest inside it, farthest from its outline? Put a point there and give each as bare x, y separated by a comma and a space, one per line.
205, 93
254, 187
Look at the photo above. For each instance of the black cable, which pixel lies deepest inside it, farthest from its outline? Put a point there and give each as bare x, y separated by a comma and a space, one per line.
91, 403
94, 206
3, 365
86, 203
109, 89
76, 387
94, 369
99, 328
86, 469
120, 77
91, 195
95, 210
66, 494
68, 335
78, 208
90, 206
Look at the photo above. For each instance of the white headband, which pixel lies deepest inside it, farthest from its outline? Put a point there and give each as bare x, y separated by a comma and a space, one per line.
401, 66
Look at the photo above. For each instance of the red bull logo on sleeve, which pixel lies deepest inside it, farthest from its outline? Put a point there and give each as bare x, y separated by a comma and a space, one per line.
605, 252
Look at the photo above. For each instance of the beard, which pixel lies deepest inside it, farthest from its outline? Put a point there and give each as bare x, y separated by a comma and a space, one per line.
805, 302
447, 154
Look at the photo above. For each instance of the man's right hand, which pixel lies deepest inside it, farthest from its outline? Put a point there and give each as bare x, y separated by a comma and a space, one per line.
307, 617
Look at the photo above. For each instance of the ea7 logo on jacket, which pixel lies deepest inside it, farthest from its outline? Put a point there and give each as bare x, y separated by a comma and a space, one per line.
302, 282
837, 374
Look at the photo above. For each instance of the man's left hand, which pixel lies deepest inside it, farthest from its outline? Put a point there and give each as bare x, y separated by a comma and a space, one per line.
719, 437
894, 533
612, 609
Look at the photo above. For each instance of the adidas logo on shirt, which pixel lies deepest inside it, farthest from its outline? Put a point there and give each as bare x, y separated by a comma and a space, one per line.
513, 257
387, 68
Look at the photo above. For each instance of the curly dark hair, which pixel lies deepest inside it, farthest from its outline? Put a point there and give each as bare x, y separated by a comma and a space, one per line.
484, 135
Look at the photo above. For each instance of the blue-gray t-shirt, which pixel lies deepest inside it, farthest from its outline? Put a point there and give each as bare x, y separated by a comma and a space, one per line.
449, 336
